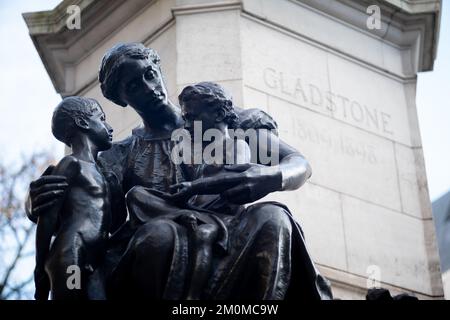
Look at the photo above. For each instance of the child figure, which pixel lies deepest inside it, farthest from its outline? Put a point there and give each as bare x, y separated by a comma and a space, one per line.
197, 203
81, 219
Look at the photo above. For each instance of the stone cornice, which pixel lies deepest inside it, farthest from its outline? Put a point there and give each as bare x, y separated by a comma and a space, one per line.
407, 21
416, 6
52, 21
207, 7
61, 48
405, 24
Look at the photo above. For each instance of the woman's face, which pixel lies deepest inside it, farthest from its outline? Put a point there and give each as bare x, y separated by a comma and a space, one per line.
141, 85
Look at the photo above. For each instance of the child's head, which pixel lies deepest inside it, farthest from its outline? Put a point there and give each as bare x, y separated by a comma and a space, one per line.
208, 102
79, 115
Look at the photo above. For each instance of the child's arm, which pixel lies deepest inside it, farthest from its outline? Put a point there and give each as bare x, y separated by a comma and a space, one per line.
205, 185
210, 185
46, 227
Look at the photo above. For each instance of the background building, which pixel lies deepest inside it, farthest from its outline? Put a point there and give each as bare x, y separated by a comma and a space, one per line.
441, 215
342, 92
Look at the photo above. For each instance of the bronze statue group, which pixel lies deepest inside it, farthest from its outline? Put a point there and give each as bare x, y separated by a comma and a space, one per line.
139, 226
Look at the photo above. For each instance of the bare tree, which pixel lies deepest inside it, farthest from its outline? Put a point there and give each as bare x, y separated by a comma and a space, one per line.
17, 233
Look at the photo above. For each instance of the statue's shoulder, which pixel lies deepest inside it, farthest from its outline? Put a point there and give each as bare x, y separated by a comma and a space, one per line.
68, 160
255, 118
69, 166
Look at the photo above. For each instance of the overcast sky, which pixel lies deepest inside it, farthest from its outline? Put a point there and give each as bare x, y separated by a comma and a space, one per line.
28, 97
433, 104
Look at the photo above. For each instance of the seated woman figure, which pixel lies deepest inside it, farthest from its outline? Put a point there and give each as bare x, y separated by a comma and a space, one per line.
197, 203
265, 256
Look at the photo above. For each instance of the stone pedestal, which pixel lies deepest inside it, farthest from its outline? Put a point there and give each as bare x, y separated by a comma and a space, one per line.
342, 94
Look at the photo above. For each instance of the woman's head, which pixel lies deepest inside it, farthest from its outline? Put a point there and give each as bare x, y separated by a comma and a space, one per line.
130, 74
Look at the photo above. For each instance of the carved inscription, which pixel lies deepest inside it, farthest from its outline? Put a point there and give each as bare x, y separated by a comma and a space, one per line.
339, 144
336, 105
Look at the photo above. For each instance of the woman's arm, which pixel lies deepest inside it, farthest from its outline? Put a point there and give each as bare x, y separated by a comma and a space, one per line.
295, 169
249, 182
44, 193
287, 170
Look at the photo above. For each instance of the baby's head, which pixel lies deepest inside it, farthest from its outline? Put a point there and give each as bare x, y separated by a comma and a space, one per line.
210, 103
79, 115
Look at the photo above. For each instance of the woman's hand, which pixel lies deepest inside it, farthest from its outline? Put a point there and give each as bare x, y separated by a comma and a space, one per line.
242, 183
181, 192
44, 193
256, 181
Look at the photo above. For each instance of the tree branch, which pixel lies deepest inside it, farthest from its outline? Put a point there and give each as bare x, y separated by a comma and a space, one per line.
17, 257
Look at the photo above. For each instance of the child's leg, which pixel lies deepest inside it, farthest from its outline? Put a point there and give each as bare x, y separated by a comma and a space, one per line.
65, 267
204, 237
44, 232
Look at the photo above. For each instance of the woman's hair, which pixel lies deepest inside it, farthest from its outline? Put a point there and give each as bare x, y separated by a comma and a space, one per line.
63, 120
214, 96
112, 61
